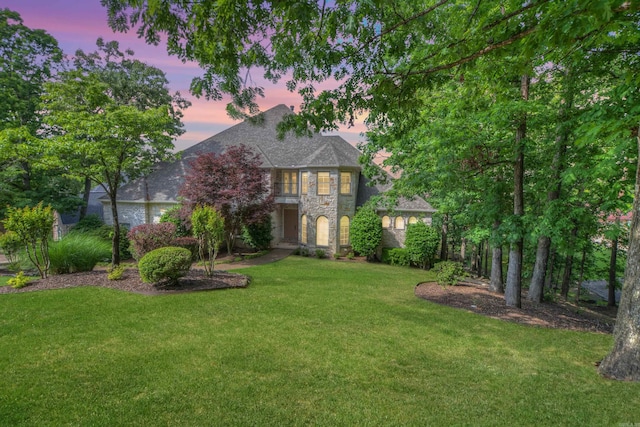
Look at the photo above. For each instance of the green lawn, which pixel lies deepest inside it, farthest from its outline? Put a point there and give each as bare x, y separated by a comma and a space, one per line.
309, 342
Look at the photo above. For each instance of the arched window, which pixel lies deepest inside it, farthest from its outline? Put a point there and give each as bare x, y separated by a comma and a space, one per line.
413, 220
344, 231
386, 222
399, 223
303, 229
322, 231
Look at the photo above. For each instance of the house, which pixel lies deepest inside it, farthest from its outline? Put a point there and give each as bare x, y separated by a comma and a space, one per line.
316, 181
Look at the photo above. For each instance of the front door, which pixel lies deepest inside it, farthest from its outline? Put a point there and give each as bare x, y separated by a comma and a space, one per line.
290, 226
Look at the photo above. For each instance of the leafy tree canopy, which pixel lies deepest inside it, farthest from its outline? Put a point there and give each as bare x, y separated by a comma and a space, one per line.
113, 118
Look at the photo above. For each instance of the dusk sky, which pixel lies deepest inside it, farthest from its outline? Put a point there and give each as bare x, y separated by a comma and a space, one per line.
78, 24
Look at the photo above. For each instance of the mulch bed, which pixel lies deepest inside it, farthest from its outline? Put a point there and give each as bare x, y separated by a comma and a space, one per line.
475, 297
195, 280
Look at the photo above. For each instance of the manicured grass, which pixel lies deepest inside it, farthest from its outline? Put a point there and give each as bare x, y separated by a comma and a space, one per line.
309, 342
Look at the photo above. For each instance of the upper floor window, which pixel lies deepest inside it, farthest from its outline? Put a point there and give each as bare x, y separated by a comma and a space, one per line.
304, 182
323, 183
399, 223
345, 182
413, 220
386, 222
290, 183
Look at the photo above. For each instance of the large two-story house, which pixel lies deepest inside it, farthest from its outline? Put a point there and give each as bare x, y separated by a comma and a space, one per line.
316, 181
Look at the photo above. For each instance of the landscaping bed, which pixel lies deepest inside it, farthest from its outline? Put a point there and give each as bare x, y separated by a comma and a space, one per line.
195, 280
475, 297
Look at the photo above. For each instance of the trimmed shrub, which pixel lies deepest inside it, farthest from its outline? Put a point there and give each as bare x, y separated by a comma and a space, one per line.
77, 252
366, 232
148, 237
190, 243
258, 236
448, 273
320, 253
396, 256
164, 264
421, 243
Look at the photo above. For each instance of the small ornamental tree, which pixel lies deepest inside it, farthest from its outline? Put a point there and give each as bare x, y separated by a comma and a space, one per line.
33, 227
421, 242
366, 232
234, 184
208, 229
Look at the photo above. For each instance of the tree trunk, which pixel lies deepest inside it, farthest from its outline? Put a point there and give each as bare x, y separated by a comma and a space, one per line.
485, 273
443, 247
496, 285
513, 292
623, 362
566, 277
568, 267
85, 198
536, 287
551, 267
463, 250
115, 242
584, 258
611, 301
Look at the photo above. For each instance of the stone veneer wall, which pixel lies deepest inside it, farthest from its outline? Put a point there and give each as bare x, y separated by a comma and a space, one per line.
333, 206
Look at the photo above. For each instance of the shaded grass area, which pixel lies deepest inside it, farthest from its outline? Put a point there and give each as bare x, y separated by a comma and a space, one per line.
310, 342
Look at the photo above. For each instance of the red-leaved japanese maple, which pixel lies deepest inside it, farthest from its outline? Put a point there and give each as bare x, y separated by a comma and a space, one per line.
234, 183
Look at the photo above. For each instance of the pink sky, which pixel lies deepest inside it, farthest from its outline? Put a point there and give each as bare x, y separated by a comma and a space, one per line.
78, 24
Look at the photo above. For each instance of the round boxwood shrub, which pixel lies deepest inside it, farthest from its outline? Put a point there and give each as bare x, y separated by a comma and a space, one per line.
164, 264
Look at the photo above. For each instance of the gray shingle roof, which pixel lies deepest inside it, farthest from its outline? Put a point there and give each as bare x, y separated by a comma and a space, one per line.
317, 151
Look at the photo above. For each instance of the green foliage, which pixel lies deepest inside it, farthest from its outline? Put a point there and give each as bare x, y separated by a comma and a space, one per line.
115, 273
19, 281
448, 273
115, 119
396, 256
421, 243
145, 238
28, 58
106, 232
33, 227
78, 252
174, 216
10, 244
208, 228
190, 243
88, 224
258, 235
164, 264
366, 232
321, 253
